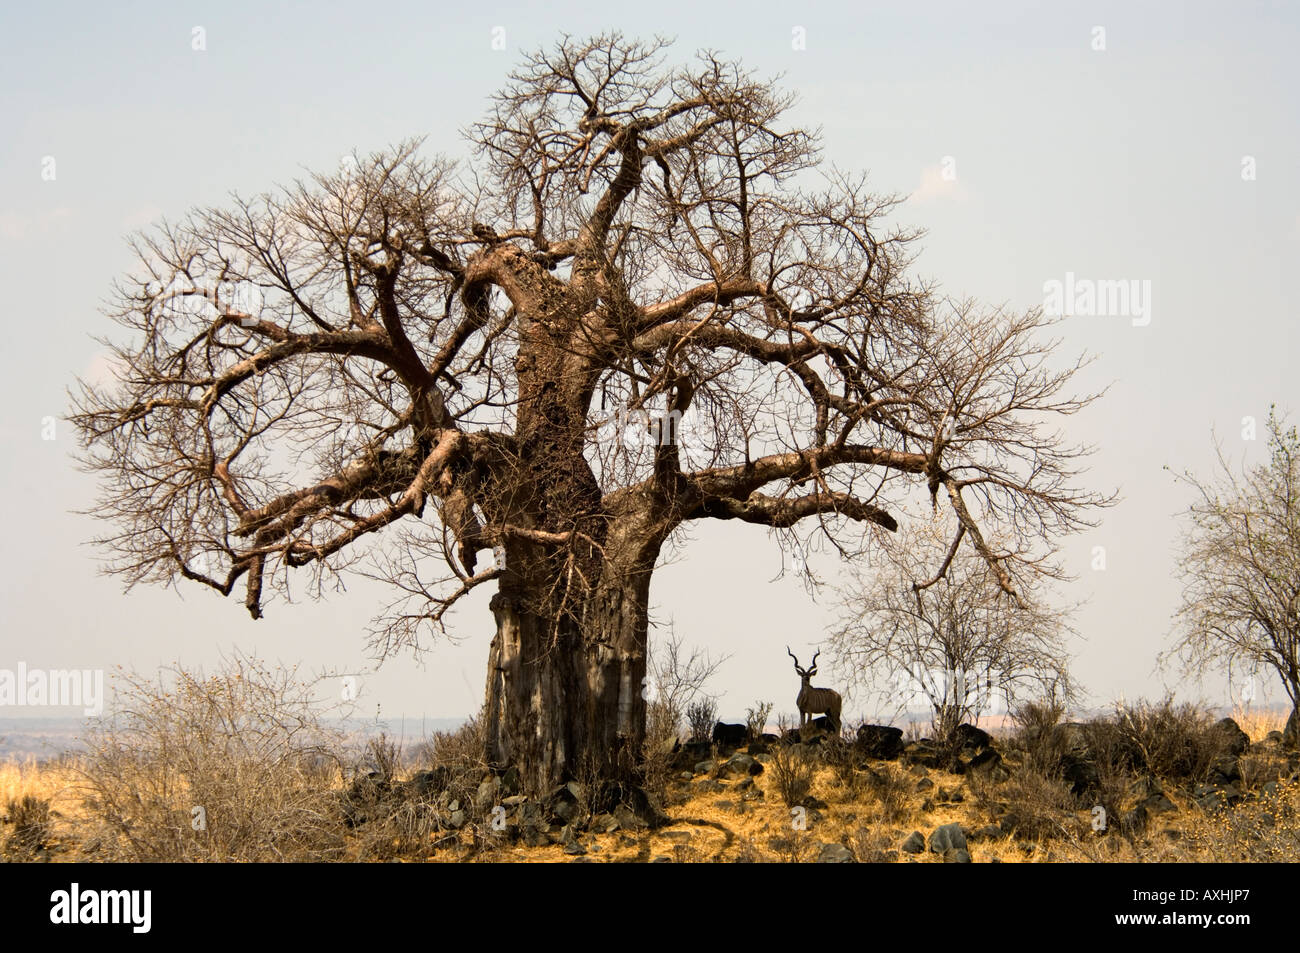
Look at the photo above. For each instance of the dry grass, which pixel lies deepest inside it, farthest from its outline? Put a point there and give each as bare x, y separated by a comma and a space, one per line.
67, 809
723, 826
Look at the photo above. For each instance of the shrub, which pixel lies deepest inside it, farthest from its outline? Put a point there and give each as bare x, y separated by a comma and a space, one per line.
237, 766
1173, 740
756, 717
792, 773
701, 716
30, 817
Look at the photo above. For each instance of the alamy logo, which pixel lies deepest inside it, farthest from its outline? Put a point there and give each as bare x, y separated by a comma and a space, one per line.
133, 907
53, 687
1123, 298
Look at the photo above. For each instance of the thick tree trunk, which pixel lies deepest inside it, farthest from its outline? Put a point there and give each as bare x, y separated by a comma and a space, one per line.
565, 702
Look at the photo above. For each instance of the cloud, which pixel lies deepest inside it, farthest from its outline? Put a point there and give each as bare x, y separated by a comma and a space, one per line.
15, 226
935, 185
101, 371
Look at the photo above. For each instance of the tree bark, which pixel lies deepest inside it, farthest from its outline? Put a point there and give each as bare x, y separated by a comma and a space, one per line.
564, 698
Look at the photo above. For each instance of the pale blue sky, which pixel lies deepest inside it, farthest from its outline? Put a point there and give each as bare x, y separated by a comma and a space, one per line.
1115, 164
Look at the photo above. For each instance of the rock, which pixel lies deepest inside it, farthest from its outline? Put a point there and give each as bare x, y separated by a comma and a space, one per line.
1291, 734
813, 803
882, 742
487, 795
628, 819
822, 726
690, 754
1273, 739
706, 767
987, 832
988, 766
709, 786
924, 785
1080, 774
533, 836
603, 824
562, 804
835, 854
968, 736
1225, 770
424, 783
914, 844
1229, 736
575, 849
513, 801
1215, 797
956, 855
946, 837
741, 765
730, 736
924, 752
457, 819
662, 859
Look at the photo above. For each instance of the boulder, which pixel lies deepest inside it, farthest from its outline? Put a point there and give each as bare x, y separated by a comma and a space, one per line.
914, 844
882, 742
424, 783
924, 752
691, 754
1291, 734
987, 832
487, 795
1215, 797
730, 736
741, 765
987, 765
835, 854
1229, 737
946, 837
968, 736
1080, 774
956, 855
562, 804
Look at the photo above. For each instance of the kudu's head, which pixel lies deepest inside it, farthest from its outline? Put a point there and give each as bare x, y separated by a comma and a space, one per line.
804, 673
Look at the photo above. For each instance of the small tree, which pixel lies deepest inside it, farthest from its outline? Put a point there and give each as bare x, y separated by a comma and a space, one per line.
956, 639
676, 682
1241, 565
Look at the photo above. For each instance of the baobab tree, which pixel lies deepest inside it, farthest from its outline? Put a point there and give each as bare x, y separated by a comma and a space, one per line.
433, 354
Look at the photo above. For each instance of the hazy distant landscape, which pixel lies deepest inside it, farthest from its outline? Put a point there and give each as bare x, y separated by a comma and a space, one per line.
42, 739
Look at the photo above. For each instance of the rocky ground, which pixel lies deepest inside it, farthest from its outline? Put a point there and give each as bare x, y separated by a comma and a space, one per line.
1062, 792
